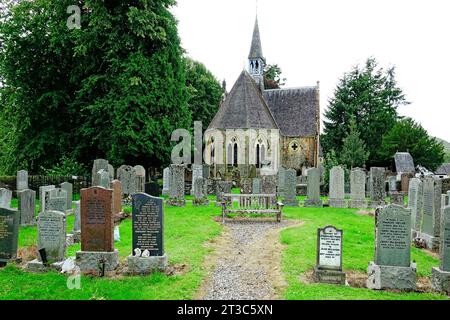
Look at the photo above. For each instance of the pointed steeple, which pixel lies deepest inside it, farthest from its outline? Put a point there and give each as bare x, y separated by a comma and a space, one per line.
256, 47
256, 61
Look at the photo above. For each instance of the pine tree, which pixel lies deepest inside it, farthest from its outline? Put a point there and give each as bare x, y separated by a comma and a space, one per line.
369, 95
353, 152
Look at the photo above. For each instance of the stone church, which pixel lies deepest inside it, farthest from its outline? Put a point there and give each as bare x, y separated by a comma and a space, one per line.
256, 131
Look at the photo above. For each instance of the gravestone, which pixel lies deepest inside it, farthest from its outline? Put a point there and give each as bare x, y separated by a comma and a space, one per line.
429, 229
98, 165
148, 235
176, 192
206, 171
441, 274
111, 172
103, 179
42, 190
22, 180
290, 188
337, 192
51, 230
223, 187
357, 189
404, 162
152, 188
9, 235
398, 198
392, 268
97, 231
246, 186
27, 207
5, 198
139, 172
269, 184
405, 178
313, 189
116, 187
68, 187
415, 196
55, 200
201, 192
377, 186
392, 183
127, 177
329, 256
76, 231
256, 185
281, 181
197, 172
166, 182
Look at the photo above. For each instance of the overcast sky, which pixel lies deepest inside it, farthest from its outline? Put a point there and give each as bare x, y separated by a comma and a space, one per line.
319, 40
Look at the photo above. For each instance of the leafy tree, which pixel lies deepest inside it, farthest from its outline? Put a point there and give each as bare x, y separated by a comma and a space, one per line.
205, 92
409, 136
66, 167
369, 95
353, 152
331, 160
272, 77
114, 89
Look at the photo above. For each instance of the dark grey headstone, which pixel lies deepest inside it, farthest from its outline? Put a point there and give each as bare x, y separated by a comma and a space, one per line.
256, 186
177, 181
393, 236
313, 189
281, 181
42, 190
9, 234
166, 182
77, 218
378, 188
140, 175
98, 165
127, 177
148, 218
152, 188
290, 188
27, 207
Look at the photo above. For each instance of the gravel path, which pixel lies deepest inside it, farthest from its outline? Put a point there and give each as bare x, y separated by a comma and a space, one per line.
246, 265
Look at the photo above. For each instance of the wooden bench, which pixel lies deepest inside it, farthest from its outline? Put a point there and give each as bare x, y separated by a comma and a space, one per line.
251, 204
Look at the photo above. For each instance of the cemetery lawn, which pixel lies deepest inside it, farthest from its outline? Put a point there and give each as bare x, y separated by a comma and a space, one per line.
187, 231
299, 256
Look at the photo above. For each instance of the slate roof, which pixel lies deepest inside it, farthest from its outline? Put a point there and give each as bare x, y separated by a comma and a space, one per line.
244, 108
404, 162
444, 169
294, 110
256, 47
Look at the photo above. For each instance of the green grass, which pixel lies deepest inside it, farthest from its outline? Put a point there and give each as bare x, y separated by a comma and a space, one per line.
186, 231
299, 255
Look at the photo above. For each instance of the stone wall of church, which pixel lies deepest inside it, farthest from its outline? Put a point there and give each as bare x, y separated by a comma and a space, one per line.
298, 152
222, 141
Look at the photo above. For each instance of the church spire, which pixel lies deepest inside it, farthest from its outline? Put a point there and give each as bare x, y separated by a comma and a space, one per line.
255, 58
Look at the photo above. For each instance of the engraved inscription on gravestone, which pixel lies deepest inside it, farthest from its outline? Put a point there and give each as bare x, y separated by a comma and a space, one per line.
52, 235
148, 224
97, 221
393, 236
329, 248
9, 232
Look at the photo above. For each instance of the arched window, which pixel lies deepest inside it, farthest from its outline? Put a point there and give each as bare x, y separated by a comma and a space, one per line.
263, 153
212, 154
258, 159
235, 155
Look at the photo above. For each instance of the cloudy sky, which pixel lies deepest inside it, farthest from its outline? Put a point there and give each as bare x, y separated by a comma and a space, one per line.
319, 40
